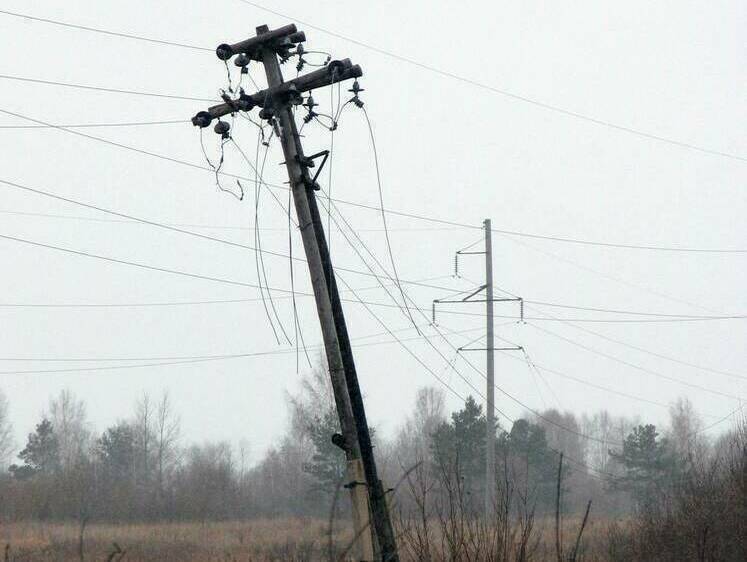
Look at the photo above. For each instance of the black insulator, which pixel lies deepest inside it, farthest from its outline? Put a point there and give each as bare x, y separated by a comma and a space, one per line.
242, 60
266, 113
299, 50
222, 127
202, 119
224, 51
356, 88
339, 441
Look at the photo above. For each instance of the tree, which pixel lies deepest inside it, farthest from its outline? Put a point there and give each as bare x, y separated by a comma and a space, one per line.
143, 428
166, 437
116, 450
415, 438
530, 463
68, 417
558, 436
684, 433
647, 462
327, 464
6, 432
460, 445
41, 454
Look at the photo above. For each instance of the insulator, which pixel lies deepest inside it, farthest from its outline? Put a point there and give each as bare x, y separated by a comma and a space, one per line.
300, 50
242, 60
202, 119
356, 87
222, 127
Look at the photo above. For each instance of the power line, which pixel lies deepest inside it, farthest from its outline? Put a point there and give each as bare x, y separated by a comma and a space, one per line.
251, 285
628, 312
506, 93
105, 31
213, 357
656, 354
445, 339
176, 229
192, 225
102, 89
424, 66
97, 125
278, 254
633, 365
204, 359
380, 209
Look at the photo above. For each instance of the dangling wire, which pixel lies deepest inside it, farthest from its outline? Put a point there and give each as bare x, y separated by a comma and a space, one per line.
228, 74
384, 221
296, 323
258, 237
217, 169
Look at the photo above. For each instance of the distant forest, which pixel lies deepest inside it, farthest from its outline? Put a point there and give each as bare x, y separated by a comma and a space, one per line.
673, 479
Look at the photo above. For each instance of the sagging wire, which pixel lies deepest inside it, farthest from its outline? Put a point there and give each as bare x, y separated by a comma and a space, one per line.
359, 103
360, 256
300, 52
222, 129
259, 256
296, 324
228, 75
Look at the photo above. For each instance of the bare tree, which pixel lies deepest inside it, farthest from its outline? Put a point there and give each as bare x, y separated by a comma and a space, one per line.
143, 425
6, 433
167, 429
68, 416
684, 432
413, 442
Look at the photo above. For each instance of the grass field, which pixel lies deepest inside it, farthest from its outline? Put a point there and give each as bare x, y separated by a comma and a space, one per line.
259, 540
263, 540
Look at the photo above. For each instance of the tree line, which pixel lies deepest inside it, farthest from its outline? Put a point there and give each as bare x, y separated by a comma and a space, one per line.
143, 469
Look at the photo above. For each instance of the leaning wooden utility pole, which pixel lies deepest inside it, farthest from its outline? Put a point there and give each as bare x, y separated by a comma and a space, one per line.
366, 489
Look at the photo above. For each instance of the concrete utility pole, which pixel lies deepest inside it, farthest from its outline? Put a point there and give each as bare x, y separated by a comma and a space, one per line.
490, 349
490, 477
367, 491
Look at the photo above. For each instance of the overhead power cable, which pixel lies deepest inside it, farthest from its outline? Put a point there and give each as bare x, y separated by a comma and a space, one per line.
635, 366
631, 346
401, 58
435, 327
656, 354
282, 255
106, 31
103, 89
379, 209
206, 358
246, 284
506, 93
98, 125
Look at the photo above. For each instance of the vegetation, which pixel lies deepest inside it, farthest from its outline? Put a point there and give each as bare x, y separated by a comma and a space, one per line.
624, 490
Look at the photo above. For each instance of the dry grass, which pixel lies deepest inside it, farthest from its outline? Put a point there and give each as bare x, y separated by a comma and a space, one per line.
262, 540
256, 541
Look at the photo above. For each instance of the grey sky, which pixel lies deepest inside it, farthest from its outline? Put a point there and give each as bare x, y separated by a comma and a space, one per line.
447, 149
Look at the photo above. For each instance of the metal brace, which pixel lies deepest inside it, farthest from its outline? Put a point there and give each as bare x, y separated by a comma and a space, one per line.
308, 162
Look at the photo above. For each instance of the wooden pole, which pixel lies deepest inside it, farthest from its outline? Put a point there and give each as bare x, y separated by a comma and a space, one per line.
322, 279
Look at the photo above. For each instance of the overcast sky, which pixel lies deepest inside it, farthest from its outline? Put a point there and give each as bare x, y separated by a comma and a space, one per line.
447, 149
